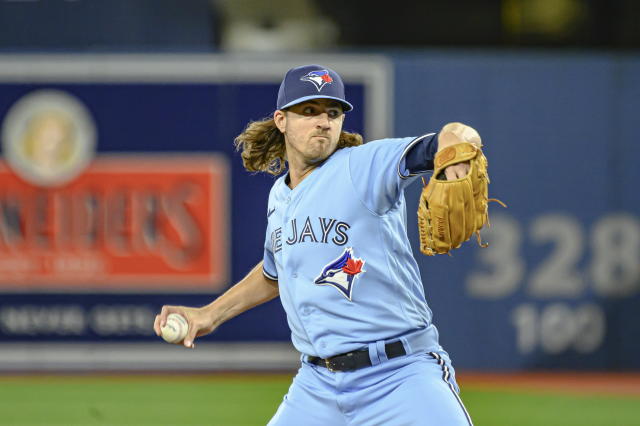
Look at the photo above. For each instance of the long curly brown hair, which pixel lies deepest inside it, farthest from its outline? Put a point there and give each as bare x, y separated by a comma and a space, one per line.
263, 148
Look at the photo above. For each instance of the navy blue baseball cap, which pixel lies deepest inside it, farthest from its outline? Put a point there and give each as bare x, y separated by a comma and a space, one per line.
311, 82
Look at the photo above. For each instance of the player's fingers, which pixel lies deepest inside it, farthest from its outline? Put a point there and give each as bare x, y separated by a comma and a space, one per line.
191, 335
463, 169
156, 326
450, 173
164, 313
457, 171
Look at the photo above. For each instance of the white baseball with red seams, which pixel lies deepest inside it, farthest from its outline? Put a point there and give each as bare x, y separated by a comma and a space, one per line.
176, 328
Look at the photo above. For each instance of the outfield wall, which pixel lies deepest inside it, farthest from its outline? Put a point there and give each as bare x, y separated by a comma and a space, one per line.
90, 260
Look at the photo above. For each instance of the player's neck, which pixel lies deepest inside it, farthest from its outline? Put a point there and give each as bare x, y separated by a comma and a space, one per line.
298, 174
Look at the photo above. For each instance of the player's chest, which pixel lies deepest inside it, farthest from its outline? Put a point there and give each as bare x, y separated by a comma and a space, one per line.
313, 216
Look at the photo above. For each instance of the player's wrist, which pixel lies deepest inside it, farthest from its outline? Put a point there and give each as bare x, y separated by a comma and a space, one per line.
211, 314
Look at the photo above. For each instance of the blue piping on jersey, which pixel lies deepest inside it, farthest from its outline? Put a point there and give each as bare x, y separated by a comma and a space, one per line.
420, 159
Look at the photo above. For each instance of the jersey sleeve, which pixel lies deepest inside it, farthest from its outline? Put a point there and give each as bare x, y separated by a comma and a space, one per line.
380, 170
269, 264
269, 269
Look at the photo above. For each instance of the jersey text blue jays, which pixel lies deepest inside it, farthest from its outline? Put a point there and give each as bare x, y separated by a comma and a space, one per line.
317, 230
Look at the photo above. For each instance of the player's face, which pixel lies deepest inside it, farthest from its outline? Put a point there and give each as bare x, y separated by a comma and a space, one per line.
312, 129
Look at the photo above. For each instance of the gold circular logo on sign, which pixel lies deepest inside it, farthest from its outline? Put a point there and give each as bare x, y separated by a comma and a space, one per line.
48, 137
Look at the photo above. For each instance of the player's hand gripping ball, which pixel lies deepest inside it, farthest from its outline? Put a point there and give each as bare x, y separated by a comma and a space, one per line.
176, 328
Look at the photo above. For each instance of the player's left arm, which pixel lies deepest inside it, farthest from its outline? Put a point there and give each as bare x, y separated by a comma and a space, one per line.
380, 170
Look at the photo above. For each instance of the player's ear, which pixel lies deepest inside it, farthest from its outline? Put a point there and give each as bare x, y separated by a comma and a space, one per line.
280, 119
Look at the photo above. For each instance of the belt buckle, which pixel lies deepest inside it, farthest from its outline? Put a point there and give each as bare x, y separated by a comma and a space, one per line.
347, 362
327, 363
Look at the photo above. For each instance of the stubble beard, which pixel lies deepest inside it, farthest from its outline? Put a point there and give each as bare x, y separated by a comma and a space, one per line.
320, 148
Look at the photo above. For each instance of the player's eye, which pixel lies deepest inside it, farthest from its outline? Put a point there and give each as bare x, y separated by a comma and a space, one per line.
309, 110
334, 113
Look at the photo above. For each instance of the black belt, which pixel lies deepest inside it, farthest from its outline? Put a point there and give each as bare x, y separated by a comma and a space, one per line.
356, 359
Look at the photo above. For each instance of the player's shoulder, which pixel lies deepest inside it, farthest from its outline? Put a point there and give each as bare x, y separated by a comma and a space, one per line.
389, 141
277, 188
386, 144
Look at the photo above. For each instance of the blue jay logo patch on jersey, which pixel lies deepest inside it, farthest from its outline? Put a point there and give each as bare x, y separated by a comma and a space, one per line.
319, 78
342, 272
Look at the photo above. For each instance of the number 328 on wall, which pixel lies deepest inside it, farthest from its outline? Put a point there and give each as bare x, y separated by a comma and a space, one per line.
613, 269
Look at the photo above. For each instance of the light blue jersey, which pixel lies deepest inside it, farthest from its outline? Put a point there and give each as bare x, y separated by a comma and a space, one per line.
337, 245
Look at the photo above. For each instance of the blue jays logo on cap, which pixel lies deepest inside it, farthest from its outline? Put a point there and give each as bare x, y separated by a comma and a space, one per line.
318, 78
309, 82
342, 272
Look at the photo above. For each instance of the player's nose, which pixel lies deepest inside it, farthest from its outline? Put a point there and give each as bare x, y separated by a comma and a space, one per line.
323, 121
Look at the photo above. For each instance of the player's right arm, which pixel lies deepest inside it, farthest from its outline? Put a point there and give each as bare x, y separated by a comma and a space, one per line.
252, 290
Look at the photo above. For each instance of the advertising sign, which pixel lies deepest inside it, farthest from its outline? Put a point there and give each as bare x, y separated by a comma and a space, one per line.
71, 220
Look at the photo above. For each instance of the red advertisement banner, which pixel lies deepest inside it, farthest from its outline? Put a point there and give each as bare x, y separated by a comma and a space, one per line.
127, 223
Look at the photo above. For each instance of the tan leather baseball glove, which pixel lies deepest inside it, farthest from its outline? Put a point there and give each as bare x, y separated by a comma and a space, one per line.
451, 211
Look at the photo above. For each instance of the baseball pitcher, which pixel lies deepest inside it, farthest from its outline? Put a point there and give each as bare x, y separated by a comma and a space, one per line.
336, 252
